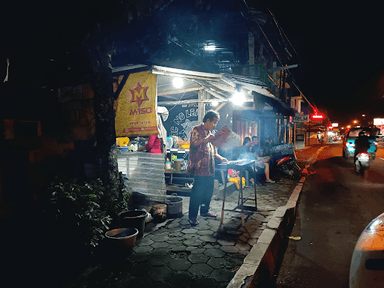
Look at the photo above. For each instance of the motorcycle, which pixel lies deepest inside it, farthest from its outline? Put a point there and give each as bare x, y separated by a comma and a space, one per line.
361, 162
288, 166
284, 161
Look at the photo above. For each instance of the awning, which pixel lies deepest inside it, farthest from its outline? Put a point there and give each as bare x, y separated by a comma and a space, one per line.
220, 87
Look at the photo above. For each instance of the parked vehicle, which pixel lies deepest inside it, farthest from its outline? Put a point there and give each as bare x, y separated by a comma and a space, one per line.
349, 142
288, 167
284, 161
361, 163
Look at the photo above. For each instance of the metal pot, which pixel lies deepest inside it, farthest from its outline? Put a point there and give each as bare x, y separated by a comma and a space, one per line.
174, 206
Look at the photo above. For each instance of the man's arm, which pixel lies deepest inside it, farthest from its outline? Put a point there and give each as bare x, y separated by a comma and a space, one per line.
221, 158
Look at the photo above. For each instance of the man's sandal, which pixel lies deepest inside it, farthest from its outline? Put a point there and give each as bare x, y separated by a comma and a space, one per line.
209, 214
193, 223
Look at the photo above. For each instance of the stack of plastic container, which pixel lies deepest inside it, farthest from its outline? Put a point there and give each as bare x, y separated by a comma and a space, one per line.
145, 172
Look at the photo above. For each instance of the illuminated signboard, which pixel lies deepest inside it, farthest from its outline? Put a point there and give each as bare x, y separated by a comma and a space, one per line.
378, 121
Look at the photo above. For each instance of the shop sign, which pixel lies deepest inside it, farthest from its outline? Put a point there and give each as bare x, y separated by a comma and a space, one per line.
136, 106
300, 118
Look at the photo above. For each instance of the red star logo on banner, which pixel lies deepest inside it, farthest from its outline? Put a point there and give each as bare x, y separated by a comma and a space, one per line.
139, 94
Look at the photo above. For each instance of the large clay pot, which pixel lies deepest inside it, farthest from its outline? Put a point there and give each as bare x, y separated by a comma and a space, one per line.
122, 237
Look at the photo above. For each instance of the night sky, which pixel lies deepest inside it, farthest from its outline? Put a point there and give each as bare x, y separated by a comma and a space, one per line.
340, 48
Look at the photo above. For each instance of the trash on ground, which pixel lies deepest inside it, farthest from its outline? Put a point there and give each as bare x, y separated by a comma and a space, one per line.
294, 238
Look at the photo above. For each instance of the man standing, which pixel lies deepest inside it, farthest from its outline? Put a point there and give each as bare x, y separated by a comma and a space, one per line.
201, 165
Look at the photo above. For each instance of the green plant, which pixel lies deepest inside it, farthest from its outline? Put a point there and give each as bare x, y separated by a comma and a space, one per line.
82, 212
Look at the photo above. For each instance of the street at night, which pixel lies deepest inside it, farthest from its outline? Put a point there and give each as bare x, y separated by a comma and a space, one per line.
335, 206
189, 143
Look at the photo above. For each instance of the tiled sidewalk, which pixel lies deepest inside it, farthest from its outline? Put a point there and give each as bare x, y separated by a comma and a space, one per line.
174, 254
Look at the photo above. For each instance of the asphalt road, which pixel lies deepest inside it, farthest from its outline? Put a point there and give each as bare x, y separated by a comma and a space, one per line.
335, 206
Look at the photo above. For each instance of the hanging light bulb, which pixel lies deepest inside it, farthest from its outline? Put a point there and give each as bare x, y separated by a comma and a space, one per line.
178, 82
238, 98
214, 103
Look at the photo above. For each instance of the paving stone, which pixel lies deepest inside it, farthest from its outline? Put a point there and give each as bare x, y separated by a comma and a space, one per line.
176, 240
173, 225
208, 238
200, 270
160, 238
222, 275
144, 242
175, 233
191, 248
225, 242
163, 285
205, 283
140, 282
214, 253
142, 249
230, 249
252, 241
160, 245
205, 232
199, 250
177, 248
243, 238
139, 257
160, 251
159, 260
189, 231
198, 258
217, 263
140, 269
190, 236
204, 226
181, 280
193, 242
159, 274
179, 264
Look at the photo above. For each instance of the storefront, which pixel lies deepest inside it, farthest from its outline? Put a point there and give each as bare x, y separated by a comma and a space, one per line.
186, 102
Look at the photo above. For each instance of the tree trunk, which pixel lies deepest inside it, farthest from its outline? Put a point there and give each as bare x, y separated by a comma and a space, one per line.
104, 118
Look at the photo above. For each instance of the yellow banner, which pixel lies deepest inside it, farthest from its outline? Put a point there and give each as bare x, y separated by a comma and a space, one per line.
136, 106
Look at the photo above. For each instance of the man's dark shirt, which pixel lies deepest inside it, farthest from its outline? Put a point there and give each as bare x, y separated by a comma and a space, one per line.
256, 149
362, 144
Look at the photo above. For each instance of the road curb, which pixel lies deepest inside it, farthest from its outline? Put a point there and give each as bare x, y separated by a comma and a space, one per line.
260, 264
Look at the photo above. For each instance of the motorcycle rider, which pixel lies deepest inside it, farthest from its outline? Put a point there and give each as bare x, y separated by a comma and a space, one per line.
362, 144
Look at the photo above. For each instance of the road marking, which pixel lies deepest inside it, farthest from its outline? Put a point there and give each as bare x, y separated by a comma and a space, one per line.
381, 158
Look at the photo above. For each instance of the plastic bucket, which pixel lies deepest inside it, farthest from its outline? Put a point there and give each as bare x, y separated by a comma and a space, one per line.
134, 219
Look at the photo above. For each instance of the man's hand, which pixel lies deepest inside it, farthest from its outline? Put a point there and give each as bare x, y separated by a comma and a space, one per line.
224, 160
209, 138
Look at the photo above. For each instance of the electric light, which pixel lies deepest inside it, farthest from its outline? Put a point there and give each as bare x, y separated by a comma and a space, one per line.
214, 103
210, 48
178, 82
238, 98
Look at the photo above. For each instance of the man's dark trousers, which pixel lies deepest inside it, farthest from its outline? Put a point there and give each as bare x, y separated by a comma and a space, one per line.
201, 194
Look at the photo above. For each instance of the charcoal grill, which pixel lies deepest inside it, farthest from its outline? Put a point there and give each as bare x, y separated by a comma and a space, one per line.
241, 166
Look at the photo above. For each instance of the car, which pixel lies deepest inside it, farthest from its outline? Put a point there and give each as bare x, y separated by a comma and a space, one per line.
352, 135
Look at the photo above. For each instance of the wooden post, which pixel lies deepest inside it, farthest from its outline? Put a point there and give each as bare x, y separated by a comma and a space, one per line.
201, 105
